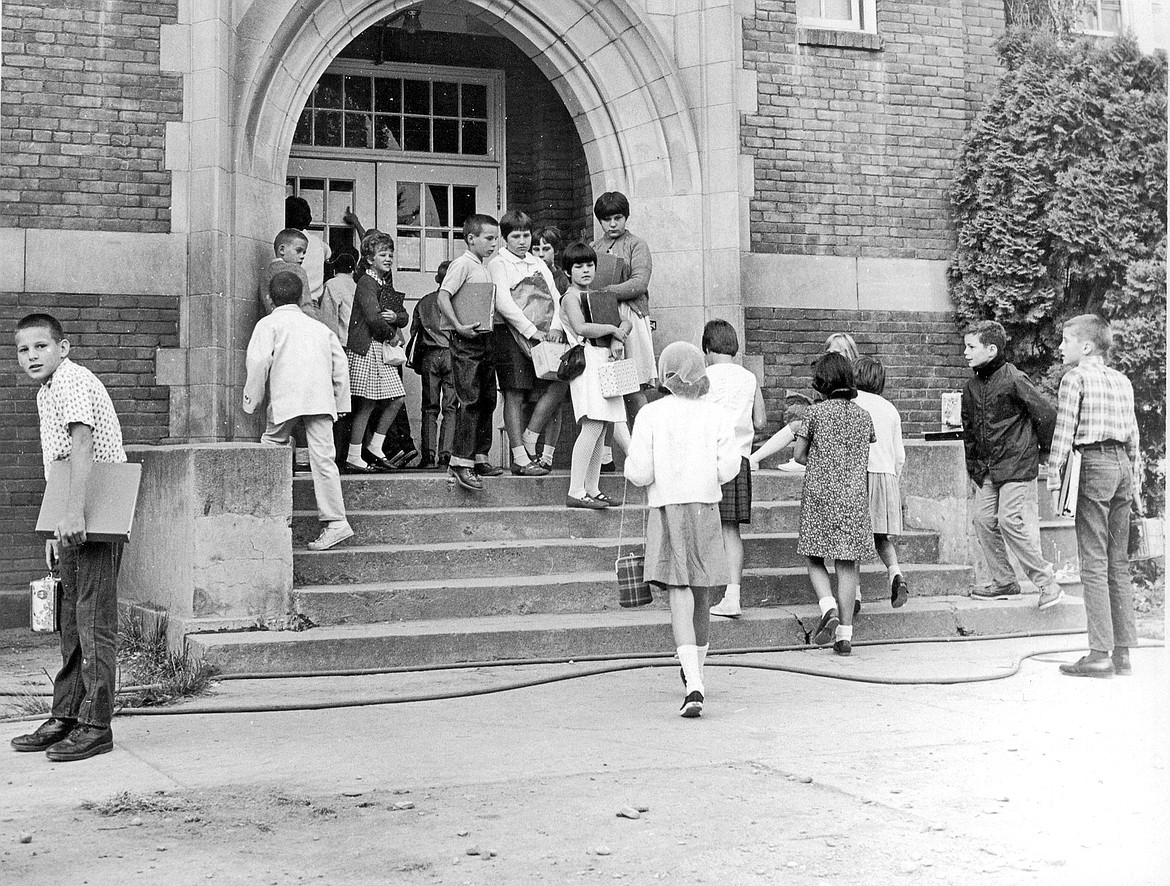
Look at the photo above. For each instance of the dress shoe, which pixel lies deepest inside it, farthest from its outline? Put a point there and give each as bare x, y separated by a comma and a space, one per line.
842, 647
1121, 665
899, 592
545, 463
994, 593
44, 736
444, 460
483, 469
1096, 664
82, 742
571, 501
608, 468
377, 463
1049, 597
348, 467
826, 628
465, 477
604, 499
532, 469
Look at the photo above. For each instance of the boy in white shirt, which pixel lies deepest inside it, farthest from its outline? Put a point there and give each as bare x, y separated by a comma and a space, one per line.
737, 391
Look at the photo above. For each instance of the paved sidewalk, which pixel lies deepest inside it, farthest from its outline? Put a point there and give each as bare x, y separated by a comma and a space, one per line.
1037, 778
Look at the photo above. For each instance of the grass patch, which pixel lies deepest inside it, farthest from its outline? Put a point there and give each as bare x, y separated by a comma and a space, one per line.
30, 704
128, 803
145, 661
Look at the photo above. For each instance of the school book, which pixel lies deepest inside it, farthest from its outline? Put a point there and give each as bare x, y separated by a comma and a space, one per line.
475, 303
111, 497
611, 270
603, 308
1070, 485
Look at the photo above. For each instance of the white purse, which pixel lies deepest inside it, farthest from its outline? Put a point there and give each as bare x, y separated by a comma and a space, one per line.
393, 355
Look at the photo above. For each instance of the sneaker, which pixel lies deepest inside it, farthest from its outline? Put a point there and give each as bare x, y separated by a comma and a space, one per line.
1121, 665
842, 647
826, 628
465, 477
791, 467
532, 469
81, 743
993, 593
571, 501
1049, 597
334, 533
44, 736
483, 469
692, 706
726, 609
899, 592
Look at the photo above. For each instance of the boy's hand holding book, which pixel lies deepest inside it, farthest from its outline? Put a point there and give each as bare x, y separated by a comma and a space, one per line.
467, 330
389, 316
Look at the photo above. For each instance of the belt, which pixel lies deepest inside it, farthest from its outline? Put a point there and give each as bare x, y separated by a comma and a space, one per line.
1100, 445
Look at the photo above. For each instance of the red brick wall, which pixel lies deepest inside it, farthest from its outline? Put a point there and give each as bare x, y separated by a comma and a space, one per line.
113, 335
84, 115
922, 354
855, 148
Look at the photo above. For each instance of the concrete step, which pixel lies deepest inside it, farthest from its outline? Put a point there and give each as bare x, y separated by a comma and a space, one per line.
527, 557
1058, 542
579, 592
624, 633
440, 525
429, 489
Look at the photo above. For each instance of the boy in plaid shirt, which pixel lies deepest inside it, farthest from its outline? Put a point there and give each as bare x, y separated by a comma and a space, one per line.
1095, 416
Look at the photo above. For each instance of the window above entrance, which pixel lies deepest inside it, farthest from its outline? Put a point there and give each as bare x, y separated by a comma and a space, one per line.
402, 110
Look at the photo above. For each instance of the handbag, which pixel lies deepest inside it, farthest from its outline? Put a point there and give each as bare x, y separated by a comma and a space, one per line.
546, 358
393, 355
618, 378
633, 589
572, 363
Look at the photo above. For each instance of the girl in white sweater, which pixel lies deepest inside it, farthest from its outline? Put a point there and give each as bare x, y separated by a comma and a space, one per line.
683, 450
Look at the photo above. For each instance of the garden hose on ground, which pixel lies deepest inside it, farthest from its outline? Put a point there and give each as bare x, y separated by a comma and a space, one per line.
627, 663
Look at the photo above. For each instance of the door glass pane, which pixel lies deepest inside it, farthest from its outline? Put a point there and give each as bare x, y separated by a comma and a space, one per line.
327, 130
409, 194
446, 136
359, 130
408, 251
328, 92
358, 94
417, 96
340, 197
313, 190
437, 209
389, 133
474, 137
437, 249
463, 204
416, 134
475, 100
446, 99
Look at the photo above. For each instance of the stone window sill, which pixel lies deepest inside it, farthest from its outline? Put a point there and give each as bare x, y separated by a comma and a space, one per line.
841, 39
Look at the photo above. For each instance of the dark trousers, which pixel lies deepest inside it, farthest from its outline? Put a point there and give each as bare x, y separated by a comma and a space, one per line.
84, 688
438, 394
475, 387
1104, 501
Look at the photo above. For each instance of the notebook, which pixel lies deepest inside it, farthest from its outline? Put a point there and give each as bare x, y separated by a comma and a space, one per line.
603, 308
110, 500
1070, 484
475, 303
611, 270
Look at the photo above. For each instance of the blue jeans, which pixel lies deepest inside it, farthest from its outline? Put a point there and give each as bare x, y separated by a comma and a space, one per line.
1104, 502
84, 688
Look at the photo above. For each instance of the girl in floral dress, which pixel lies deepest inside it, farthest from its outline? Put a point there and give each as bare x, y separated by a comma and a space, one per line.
833, 445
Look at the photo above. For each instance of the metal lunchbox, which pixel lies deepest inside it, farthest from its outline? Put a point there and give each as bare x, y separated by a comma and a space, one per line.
45, 604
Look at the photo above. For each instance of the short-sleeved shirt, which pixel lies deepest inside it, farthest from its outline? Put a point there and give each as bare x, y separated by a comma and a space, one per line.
468, 268
74, 395
734, 388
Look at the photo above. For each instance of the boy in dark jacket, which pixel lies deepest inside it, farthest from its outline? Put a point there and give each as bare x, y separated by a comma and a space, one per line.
1007, 423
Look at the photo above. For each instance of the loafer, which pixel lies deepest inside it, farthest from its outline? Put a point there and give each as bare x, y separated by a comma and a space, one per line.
1089, 667
842, 647
692, 706
899, 592
571, 501
1121, 665
82, 743
996, 593
532, 469
826, 628
483, 469
1049, 597
44, 736
465, 477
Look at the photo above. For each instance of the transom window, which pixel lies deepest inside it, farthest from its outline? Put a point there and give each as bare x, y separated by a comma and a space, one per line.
399, 111
1101, 16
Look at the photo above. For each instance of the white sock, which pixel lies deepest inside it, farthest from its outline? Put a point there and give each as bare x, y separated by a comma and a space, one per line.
547, 453
702, 656
355, 454
377, 441
826, 603
606, 455
688, 657
529, 438
521, 455
843, 632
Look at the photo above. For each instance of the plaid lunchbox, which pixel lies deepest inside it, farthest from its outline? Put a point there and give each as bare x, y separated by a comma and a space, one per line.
633, 589
618, 378
546, 359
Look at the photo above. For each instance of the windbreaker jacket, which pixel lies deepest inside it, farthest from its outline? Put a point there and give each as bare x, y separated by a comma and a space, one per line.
1007, 423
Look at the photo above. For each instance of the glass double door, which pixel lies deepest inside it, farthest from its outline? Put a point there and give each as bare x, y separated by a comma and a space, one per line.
422, 206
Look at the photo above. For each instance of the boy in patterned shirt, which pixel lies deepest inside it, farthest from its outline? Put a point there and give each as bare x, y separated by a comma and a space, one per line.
78, 425
1095, 416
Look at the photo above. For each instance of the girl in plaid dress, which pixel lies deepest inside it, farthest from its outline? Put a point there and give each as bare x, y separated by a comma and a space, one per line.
833, 445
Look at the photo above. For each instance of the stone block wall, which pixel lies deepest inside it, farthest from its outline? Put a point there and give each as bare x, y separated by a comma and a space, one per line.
921, 352
84, 116
855, 136
116, 337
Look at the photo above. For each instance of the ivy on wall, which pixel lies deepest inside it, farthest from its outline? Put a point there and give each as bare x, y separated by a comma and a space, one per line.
1060, 209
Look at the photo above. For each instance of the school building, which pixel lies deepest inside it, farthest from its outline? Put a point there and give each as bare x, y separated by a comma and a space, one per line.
788, 162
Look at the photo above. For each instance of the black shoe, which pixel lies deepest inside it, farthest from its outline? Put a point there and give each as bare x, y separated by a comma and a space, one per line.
348, 467
83, 742
532, 469
1089, 666
1121, 665
444, 460
378, 463
405, 458
842, 647
608, 468
46, 735
899, 592
465, 477
993, 593
428, 463
856, 606
823, 635
483, 469
692, 706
